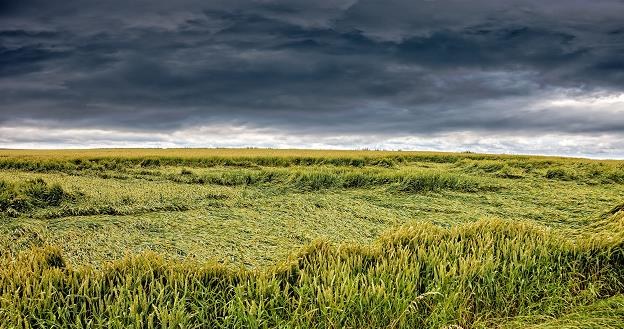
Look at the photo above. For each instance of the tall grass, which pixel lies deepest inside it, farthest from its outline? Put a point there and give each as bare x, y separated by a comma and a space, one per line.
34, 160
115, 163
112, 163
472, 275
23, 196
583, 171
325, 178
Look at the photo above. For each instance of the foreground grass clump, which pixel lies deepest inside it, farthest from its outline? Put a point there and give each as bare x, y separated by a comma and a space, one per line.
23, 196
472, 275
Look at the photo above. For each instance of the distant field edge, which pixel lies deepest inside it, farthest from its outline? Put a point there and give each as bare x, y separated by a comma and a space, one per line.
259, 152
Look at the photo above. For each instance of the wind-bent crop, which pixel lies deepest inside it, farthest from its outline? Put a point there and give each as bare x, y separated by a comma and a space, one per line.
473, 275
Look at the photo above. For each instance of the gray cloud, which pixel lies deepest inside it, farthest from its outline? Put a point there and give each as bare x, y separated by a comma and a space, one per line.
324, 67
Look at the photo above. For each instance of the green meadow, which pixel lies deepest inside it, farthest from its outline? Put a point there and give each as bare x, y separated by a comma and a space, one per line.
255, 238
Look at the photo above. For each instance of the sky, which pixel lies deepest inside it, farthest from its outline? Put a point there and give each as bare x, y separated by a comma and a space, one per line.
496, 76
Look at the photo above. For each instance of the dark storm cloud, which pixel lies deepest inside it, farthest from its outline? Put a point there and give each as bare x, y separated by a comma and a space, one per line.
409, 67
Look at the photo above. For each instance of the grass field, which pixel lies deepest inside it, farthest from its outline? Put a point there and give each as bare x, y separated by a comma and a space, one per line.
191, 238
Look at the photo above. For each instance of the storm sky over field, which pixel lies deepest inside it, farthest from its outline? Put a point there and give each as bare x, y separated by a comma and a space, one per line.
523, 76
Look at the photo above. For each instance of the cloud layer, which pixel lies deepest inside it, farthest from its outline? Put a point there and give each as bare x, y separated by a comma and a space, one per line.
506, 73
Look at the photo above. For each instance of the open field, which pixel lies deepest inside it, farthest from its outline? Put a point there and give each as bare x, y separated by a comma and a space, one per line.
292, 238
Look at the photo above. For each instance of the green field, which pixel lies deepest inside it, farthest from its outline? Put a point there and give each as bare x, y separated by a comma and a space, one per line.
253, 238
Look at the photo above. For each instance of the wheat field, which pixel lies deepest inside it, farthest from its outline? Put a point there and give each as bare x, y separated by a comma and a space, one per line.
260, 238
